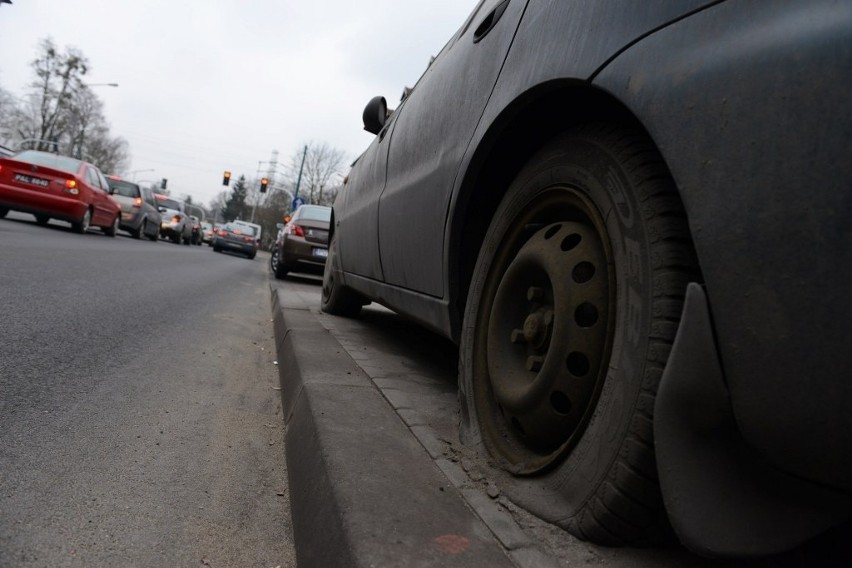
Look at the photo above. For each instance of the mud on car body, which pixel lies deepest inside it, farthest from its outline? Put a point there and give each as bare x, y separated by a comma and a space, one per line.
633, 218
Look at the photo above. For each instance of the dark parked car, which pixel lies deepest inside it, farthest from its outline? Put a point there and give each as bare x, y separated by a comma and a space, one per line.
236, 238
139, 214
302, 245
51, 186
633, 217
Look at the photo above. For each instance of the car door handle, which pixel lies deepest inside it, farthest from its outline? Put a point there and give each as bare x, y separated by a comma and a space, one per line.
487, 24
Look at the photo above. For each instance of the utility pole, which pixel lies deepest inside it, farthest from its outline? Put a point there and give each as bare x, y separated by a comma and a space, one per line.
273, 164
301, 167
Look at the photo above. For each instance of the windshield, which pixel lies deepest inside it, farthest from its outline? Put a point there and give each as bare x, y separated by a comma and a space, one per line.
168, 203
62, 163
239, 229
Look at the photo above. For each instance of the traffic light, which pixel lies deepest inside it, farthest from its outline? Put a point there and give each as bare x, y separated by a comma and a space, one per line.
163, 183
226, 180
263, 185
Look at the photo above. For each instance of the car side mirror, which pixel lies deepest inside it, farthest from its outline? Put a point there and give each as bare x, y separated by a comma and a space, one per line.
375, 115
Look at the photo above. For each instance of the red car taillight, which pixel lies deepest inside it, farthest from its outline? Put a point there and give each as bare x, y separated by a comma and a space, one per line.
248, 239
221, 233
71, 187
295, 230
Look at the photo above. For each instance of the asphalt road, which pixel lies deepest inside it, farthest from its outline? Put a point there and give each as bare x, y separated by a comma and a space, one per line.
139, 413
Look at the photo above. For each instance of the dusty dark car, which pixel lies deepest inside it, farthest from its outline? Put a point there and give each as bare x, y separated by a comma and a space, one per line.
51, 186
302, 245
139, 213
633, 217
234, 237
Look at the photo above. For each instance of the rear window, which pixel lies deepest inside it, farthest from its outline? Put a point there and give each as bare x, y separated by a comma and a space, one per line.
239, 229
124, 188
61, 163
315, 213
168, 203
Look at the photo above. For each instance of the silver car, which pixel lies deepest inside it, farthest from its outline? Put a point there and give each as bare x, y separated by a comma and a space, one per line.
175, 224
139, 213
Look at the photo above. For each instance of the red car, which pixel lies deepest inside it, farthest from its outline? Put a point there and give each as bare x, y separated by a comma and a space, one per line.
51, 186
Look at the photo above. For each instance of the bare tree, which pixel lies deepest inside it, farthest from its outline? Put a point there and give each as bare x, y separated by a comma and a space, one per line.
58, 77
322, 165
60, 113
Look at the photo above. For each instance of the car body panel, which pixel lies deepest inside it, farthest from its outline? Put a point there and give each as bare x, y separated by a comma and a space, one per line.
419, 178
34, 182
769, 299
359, 215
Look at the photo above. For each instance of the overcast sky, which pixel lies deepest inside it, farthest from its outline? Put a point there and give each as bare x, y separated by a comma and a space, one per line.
207, 86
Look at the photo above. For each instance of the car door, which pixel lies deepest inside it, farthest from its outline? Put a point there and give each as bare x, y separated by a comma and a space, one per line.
356, 212
431, 135
102, 212
153, 214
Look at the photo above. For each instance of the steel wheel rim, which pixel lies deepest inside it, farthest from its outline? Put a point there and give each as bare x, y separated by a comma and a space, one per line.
545, 331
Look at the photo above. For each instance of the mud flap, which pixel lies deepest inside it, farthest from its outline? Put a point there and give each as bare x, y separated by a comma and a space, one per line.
721, 497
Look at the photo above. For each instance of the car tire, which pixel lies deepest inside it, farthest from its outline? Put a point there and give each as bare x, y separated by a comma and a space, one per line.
216, 249
3, 212
337, 299
82, 226
137, 234
281, 269
112, 230
42, 219
251, 256
573, 306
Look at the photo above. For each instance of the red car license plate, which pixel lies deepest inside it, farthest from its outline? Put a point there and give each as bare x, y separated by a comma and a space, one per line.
32, 180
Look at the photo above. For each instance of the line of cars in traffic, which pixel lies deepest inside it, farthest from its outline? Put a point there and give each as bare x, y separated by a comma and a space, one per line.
53, 186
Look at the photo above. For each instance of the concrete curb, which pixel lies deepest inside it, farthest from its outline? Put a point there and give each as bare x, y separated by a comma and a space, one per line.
364, 491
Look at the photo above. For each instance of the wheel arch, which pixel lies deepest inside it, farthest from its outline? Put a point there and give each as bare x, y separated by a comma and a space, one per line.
522, 129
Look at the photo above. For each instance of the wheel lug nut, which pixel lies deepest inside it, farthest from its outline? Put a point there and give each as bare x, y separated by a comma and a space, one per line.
535, 293
518, 336
534, 363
